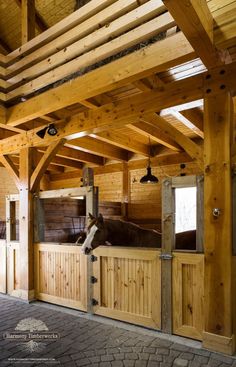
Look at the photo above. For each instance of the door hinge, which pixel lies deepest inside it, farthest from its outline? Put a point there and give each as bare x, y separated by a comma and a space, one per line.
166, 257
93, 258
94, 302
93, 279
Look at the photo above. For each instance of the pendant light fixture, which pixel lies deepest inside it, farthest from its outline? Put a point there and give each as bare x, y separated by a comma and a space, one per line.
149, 178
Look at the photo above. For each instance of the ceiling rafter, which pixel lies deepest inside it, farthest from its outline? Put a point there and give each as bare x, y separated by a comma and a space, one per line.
195, 151
196, 22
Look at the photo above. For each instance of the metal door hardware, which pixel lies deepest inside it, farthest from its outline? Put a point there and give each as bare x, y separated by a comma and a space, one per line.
166, 257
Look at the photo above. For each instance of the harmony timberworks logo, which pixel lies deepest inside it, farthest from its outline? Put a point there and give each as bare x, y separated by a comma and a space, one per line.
31, 335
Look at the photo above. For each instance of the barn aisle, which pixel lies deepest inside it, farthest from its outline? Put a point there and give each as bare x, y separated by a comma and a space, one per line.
57, 336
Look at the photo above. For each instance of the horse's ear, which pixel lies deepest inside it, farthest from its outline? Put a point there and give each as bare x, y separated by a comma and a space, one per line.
91, 217
100, 218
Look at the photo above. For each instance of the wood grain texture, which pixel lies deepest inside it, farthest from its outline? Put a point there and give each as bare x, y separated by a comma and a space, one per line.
218, 230
130, 285
60, 275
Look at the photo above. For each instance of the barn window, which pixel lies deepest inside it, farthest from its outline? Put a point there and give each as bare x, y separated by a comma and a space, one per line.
185, 209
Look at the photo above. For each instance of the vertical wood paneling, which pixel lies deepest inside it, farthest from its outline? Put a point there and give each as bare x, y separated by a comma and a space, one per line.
60, 275
3, 266
13, 267
129, 281
188, 295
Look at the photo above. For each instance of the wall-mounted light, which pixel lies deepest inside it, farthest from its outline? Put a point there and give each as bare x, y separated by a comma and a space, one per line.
51, 130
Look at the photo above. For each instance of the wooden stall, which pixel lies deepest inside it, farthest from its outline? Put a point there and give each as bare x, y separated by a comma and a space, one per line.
109, 90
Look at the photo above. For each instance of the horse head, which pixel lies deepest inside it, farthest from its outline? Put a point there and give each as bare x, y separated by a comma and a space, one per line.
96, 234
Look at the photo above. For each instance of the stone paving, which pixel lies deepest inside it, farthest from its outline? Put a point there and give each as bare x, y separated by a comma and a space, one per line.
84, 341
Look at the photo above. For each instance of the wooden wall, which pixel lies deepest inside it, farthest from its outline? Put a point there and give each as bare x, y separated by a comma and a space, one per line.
61, 219
144, 205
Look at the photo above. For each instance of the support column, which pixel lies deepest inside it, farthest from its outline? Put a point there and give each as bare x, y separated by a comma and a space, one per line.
26, 226
218, 334
27, 20
125, 191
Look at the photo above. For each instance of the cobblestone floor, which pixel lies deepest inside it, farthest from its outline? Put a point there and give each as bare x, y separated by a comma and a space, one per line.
86, 342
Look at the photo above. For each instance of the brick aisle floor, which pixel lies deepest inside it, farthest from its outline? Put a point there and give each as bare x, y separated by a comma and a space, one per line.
87, 342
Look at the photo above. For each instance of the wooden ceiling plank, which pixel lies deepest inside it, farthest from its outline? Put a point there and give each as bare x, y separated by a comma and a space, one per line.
27, 20
186, 122
77, 155
40, 23
94, 146
87, 11
187, 144
195, 115
196, 22
52, 72
225, 26
157, 57
11, 168
156, 134
183, 107
123, 141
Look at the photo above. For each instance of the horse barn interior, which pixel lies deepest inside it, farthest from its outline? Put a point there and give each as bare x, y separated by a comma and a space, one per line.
92, 94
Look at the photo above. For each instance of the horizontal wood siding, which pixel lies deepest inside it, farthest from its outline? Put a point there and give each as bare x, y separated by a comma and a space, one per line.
188, 294
61, 222
60, 275
129, 286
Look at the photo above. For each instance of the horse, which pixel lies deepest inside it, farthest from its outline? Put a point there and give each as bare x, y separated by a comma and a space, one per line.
112, 232
109, 232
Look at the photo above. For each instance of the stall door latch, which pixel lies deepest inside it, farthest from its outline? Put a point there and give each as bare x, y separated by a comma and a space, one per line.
166, 257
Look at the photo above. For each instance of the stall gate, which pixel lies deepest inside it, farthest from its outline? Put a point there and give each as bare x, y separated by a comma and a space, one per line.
123, 283
9, 250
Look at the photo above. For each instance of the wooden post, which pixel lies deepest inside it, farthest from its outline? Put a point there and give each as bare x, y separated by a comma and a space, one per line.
26, 226
168, 234
91, 207
218, 334
27, 20
200, 211
125, 191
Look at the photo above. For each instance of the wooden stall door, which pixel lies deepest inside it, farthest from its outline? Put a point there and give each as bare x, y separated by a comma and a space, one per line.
13, 268
128, 286
3, 266
61, 275
188, 294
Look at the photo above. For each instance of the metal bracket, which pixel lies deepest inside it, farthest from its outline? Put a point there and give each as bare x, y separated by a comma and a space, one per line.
93, 258
94, 302
93, 279
166, 257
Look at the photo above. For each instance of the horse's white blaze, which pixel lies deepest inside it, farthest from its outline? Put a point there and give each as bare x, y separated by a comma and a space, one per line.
89, 238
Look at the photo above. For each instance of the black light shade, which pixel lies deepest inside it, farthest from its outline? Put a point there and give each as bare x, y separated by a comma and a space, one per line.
149, 178
41, 133
52, 130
